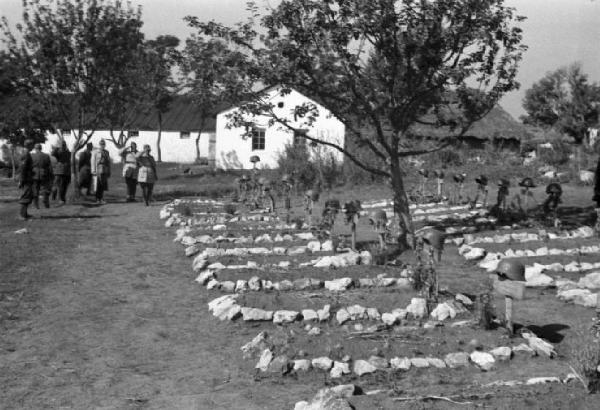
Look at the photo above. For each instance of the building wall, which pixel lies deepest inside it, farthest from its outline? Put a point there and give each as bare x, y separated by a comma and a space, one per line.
234, 152
173, 147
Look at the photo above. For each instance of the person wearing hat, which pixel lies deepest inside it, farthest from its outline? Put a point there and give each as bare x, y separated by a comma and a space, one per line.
42, 176
146, 175
526, 183
130, 169
459, 180
26, 180
62, 171
503, 193
101, 170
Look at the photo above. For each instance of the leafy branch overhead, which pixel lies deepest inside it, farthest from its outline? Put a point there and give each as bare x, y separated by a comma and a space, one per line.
383, 67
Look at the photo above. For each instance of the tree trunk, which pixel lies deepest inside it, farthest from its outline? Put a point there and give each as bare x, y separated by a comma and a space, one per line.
198, 147
74, 173
158, 152
13, 162
401, 207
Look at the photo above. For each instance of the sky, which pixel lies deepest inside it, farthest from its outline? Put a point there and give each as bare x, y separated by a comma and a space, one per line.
558, 32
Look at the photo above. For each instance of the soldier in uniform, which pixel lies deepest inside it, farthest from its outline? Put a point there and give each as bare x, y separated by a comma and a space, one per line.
26, 180
42, 176
62, 172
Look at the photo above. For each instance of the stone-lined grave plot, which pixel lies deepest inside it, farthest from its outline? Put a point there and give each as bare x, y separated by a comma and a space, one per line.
336, 314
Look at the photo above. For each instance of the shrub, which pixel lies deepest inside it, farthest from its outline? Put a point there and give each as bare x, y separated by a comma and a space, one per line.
446, 158
585, 361
557, 155
295, 161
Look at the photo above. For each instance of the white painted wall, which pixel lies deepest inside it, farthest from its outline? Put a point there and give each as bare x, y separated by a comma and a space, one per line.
233, 151
173, 147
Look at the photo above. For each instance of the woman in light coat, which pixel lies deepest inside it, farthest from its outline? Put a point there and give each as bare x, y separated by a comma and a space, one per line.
101, 170
146, 173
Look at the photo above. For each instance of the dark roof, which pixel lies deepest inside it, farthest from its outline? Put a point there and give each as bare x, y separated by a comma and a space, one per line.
497, 124
182, 115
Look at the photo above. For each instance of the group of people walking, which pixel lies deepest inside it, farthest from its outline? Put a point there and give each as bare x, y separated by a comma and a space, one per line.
49, 176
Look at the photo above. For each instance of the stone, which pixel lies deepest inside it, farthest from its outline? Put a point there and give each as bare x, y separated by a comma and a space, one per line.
483, 360
192, 250
199, 263
322, 363
314, 246
213, 284
417, 308
339, 369
241, 286
285, 316
454, 360
542, 380
327, 246
379, 362
265, 238
228, 286
590, 281
280, 364
256, 345
540, 346
302, 284
390, 319
338, 285
342, 316
401, 363
523, 349
232, 313
362, 367
324, 313
256, 315
366, 283
373, 314
435, 362
310, 315
366, 258
356, 312
502, 353
255, 283
303, 365
358, 327
283, 286
315, 331
264, 360
403, 283
205, 276
474, 254
296, 250
432, 324
419, 362
443, 311
464, 299
279, 250
385, 282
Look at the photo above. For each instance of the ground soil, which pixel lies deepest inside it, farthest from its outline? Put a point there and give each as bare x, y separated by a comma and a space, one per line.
98, 309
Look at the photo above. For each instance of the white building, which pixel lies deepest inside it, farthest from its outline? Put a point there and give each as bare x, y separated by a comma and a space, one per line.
233, 151
221, 146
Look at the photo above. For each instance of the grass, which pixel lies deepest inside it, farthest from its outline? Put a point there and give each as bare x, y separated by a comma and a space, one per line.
98, 309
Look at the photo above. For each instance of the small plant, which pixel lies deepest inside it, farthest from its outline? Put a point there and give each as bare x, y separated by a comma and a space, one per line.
229, 209
585, 361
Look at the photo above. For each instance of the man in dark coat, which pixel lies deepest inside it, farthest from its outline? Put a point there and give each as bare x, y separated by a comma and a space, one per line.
26, 180
62, 172
42, 176
85, 168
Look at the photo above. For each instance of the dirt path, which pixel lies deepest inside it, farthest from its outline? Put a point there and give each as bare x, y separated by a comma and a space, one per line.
98, 310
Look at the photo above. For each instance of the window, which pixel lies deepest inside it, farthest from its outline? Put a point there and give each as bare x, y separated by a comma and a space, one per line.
184, 135
133, 133
299, 140
258, 139
280, 104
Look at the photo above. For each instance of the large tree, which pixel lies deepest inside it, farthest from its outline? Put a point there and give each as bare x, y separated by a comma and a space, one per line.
73, 51
565, 101
215, 74
163, 57
382, 67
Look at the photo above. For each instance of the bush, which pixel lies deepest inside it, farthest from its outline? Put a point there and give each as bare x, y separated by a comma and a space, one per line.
585, 361
557, 155
446, 158
295, 161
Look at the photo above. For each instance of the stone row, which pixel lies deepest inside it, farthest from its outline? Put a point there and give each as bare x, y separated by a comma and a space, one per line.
486, 361
226, 308
208, 278
311, 247
489, 260
522, 237
183, 237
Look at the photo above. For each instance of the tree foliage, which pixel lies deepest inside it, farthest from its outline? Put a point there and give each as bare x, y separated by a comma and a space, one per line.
215, 74
563, 100
383, 68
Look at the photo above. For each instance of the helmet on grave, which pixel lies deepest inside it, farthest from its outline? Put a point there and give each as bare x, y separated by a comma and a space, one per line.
527, 183
424, 173
511, 270
438, 174
504, 182
434, 238
482, 180
459, 178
